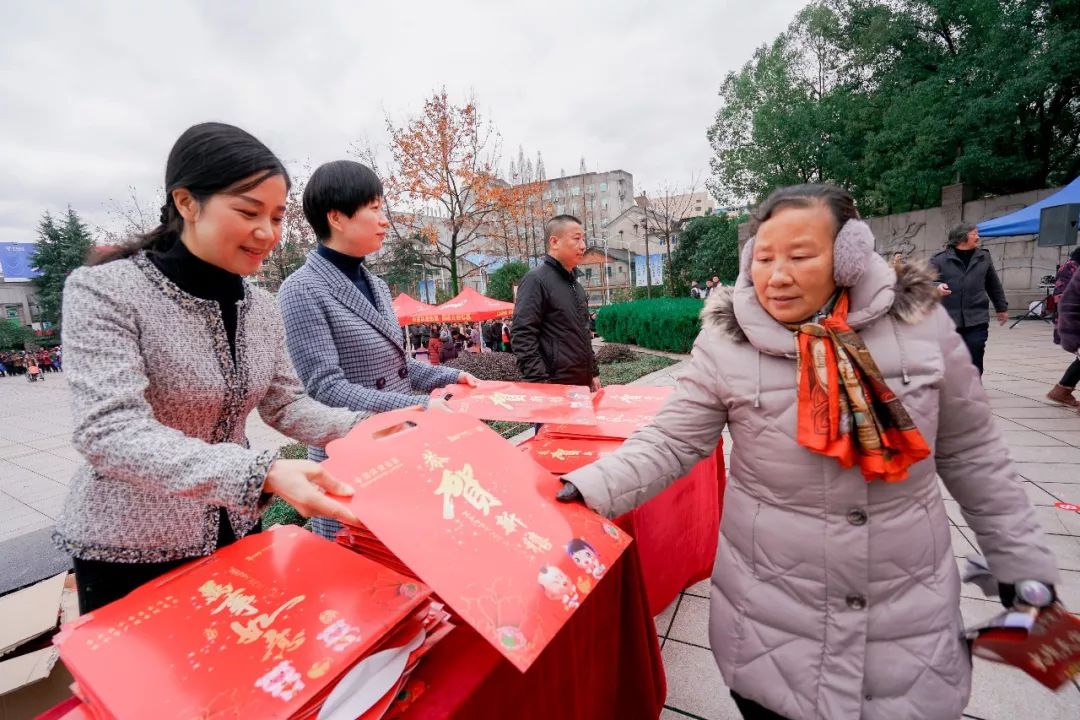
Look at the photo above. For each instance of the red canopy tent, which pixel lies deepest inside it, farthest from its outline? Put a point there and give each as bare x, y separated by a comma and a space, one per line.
468, 306
406, 307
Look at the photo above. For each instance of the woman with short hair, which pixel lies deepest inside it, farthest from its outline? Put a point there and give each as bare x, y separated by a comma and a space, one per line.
343, 334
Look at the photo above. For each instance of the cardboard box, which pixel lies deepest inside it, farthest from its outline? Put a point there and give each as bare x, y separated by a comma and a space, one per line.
29, 679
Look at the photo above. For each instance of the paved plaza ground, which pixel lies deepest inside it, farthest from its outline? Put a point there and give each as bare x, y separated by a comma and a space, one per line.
37, 461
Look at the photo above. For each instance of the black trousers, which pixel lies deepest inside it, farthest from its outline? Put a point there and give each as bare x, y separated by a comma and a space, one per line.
1072, 375
100, 582
752, 711
975, 339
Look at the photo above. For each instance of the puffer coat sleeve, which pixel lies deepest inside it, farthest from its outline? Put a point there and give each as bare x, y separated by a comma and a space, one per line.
686, 430
1068, 326
973, 460
115, 427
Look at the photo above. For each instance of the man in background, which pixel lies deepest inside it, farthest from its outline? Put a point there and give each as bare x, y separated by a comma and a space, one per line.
968, 284
550, 332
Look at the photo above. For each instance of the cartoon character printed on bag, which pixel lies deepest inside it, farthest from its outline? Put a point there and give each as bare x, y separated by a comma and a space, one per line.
282, 682
557, 586
584, 556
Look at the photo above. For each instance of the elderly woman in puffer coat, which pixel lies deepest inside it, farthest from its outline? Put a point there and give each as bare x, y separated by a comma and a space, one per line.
847, 391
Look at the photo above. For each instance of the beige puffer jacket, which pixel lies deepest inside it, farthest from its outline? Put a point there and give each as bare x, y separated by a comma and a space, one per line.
832, 597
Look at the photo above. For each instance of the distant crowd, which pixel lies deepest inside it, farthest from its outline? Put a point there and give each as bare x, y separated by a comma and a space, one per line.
702, 292
443, 343
21, 362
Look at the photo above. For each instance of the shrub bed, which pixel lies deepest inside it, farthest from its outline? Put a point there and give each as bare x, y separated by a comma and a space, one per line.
668, 324
613, 353
488, 366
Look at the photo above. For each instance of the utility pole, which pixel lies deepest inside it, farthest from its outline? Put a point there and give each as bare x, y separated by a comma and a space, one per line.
648, 258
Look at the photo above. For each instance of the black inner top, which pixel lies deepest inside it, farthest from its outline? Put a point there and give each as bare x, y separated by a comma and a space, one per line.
350, 266
965, 255
203, 280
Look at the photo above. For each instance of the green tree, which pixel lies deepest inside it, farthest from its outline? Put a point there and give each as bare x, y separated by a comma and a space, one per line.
14, 335
60, 249
501, 283
893, 99
401, 265
708, 246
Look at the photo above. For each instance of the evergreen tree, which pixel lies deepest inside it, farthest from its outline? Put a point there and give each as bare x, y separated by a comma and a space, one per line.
501, 282
708, 246
60, 249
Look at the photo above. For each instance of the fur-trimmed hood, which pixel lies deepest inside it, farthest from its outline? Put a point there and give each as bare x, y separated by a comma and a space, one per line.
914, 290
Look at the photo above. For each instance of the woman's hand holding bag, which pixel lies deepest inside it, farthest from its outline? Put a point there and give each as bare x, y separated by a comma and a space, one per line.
304, 485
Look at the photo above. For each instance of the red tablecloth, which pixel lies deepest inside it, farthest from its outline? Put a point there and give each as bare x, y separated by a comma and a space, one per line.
676, 532
605, 663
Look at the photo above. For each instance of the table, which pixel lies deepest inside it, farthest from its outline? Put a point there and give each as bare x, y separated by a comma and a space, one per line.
604, 663
677, 531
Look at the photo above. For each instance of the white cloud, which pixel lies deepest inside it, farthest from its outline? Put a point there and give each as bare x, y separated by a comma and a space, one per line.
94, 94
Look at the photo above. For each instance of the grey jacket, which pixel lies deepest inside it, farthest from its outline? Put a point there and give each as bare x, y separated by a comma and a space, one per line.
160, 409
348, 353
973, 288
834, 598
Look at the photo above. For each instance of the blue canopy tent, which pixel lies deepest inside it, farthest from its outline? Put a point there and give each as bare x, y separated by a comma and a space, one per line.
1026, 221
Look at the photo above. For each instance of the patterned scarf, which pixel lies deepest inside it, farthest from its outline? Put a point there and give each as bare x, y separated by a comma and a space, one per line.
845, 409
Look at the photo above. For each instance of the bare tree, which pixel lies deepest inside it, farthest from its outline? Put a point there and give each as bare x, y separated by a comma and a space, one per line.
671, 205
441, 181
130, 217
297, 237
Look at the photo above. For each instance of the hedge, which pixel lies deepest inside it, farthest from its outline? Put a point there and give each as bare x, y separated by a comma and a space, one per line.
668, 324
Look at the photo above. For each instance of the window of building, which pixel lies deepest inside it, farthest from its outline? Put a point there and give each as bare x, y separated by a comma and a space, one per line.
609, 271
575, 191
589, 189
12, 312
603, 204
603, 187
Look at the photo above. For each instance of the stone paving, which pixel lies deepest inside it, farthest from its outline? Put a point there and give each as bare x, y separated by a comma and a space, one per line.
37, 461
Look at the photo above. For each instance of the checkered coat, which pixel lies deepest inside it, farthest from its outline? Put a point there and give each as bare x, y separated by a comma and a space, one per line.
348, 353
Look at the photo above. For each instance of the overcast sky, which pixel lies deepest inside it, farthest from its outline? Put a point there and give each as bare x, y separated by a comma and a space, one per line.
92, 95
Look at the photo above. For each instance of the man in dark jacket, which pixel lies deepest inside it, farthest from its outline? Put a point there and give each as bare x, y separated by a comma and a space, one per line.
968, 284
551, 337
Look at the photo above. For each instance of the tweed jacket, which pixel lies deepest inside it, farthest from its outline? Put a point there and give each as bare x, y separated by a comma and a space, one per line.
348, 353
160, 406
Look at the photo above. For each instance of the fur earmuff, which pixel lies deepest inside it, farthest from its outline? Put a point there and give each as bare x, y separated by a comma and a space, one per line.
852, 249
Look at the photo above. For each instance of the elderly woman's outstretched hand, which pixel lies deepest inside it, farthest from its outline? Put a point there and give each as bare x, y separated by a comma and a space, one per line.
569, 493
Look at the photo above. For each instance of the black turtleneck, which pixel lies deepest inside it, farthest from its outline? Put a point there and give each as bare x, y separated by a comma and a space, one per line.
965, 255
203, 280
350, 266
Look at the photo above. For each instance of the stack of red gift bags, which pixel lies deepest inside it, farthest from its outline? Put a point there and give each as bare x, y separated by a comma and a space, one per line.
443, 497
620, 411
278, 625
